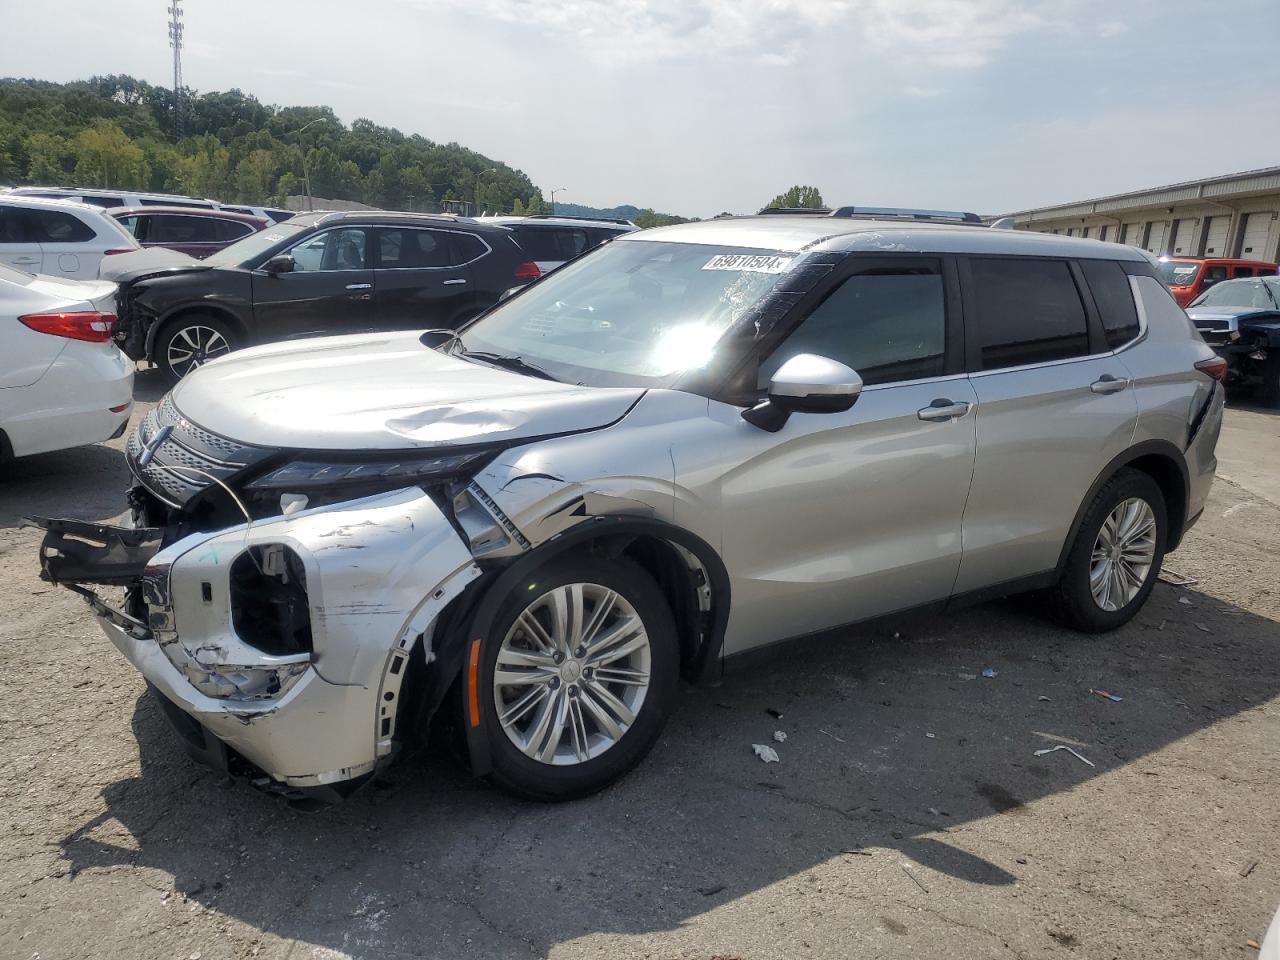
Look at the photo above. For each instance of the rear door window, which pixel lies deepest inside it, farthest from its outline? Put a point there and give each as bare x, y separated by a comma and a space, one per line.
173, 228
1027, 311
1114, 298
229, 230
552, 243
414, 249
54, 226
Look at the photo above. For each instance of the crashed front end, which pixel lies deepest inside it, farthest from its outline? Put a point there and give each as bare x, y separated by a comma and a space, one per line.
277, 643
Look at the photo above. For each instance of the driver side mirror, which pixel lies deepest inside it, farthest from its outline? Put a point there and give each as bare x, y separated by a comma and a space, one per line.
806, 383
280, 263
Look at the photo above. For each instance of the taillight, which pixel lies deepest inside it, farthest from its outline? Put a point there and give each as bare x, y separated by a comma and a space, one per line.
528, 271
112, 253
81, 325
1215, 367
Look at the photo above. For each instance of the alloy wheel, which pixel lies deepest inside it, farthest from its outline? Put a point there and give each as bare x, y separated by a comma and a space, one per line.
1123, 554
572, 674
193, 346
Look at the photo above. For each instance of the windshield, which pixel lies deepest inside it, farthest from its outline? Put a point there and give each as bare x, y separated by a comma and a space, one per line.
242, 251
1178, 273
1238, 293
633, 312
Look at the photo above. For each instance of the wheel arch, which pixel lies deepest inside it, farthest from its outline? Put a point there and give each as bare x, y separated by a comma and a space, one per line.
176, 313
1165, 464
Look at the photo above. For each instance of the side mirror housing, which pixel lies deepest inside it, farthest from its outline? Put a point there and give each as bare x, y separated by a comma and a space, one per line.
280, 263
806, 383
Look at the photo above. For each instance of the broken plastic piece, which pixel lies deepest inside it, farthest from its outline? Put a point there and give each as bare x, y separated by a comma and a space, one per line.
832, 736
1043, 699
780, 736
1185, 600
989, 673
1177, 579
776, 714
1107, 696
765, 752
1063, 746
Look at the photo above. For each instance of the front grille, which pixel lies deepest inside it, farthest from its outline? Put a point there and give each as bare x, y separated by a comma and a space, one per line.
185, 464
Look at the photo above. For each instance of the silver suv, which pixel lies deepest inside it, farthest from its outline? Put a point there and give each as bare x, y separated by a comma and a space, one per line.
688, 445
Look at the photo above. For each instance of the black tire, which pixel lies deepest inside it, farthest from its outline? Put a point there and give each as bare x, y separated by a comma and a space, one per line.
188, 333
1072, 598
535, 779
1269, 392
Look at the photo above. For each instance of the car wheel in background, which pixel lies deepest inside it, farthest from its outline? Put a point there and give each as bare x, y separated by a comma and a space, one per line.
577, 678
1116, 556
191, 340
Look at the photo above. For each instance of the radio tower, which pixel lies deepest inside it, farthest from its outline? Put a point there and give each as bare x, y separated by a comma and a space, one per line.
175, 41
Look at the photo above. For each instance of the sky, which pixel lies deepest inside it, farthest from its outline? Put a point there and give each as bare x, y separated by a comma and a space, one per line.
701, 106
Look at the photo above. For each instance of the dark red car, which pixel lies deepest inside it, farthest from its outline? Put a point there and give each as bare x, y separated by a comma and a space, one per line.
191, 230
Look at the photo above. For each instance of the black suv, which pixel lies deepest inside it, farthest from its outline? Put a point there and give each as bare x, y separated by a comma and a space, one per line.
319, 273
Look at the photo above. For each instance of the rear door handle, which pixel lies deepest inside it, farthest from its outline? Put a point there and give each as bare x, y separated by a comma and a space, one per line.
1108, 384
944, 409
359, 286
448, 283
26, 259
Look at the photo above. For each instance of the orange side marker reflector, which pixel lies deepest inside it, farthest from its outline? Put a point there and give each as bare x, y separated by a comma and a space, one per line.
473, 685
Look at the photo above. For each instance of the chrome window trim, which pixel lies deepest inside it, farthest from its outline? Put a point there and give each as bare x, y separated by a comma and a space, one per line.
455, 266
944, 378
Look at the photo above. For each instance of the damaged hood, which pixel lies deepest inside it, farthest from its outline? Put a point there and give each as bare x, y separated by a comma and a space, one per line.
383, 392
127, 267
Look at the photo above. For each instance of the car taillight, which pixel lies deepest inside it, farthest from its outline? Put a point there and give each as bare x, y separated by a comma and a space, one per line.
528, 271
81, 325
112, 253
1215, 367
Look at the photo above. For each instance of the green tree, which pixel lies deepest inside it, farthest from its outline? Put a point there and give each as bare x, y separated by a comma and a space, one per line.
536, 206
255, 176
106, 157
517, 207
206, 169
47, 156
810, 198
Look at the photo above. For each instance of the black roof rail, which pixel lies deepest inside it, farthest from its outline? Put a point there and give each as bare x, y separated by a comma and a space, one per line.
569, 216
791, 211
905, 213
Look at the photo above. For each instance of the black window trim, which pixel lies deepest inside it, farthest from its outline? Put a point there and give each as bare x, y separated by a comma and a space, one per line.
454, 266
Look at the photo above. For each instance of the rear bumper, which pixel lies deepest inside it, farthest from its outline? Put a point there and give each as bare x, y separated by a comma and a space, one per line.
70, 405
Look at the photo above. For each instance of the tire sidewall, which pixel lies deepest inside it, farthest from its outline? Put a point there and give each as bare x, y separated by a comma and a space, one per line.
160, 354
534, 779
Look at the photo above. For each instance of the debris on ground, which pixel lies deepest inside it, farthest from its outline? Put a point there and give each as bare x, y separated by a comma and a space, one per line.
1063, 746
989, 673
711, 890
1176, 579
967, 676
1248, 868
1186, 601
776, 714
831, 735
1043, 699
931, 736
1106, 696
1253, 944
1202, 628
857, 852
914, 878
765, 752
780, 736
1163, 624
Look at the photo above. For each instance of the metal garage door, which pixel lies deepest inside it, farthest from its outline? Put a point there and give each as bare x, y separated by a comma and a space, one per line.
1159, 233
1257, 228
1215, 240
1131, 233
1184, 231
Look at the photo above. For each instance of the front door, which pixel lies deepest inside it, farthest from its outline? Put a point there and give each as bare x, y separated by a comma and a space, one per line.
420, 277
840, 517
329, 291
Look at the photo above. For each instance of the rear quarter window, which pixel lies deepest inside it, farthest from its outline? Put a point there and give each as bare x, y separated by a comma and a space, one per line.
1114, 297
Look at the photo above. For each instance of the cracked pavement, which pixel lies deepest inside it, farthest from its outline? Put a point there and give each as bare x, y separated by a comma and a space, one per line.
908, 817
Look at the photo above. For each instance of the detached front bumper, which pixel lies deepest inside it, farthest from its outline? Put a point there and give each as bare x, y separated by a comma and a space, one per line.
308, 708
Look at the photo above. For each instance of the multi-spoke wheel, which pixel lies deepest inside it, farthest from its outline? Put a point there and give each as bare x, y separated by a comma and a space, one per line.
1115, 559
581, 671
189, 342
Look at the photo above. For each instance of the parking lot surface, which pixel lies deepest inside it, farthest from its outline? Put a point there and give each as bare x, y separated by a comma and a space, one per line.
909, 815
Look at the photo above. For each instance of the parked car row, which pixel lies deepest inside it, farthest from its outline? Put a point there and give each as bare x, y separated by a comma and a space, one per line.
123, 198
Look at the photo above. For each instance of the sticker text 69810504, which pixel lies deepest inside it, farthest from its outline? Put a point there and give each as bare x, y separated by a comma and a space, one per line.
748, 263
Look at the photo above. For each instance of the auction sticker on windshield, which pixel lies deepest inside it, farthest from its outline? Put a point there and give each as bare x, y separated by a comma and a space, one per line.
748, 263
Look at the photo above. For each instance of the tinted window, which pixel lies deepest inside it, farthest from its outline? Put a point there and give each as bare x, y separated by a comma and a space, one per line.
1214, 274
229, 230
171, 228
1114, 297
467, 248
135, 225
407, 249
331, 250
279, 216
888, 324
1242, 272
552, 243
1028, 311
11, 225
54, 226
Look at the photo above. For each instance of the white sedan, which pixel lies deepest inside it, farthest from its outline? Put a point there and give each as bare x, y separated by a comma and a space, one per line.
63, 381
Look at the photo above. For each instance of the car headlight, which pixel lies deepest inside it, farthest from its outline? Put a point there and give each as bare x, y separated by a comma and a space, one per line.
303, 475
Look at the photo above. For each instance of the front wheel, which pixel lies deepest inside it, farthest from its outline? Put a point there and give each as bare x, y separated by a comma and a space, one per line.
1115, 559
188, 342
577, 678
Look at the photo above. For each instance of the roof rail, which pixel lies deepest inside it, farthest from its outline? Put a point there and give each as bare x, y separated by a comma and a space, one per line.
790, 211
905, 213
570, 216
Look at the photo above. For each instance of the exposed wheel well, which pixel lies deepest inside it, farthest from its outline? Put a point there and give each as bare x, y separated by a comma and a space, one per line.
1166, 474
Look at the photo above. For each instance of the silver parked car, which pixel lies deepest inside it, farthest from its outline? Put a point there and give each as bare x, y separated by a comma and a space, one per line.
686, 446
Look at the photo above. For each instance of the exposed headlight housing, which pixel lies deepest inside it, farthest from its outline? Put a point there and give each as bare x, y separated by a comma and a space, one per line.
317, 474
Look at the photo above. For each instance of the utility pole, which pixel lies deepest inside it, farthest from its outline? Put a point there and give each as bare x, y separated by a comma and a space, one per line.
175, 41
554, 191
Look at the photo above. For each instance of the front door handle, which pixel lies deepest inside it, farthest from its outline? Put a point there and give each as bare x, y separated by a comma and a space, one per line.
449, 283
359, 286
944, 409
1108, 384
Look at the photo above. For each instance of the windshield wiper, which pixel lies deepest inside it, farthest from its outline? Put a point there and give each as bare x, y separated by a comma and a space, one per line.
518, 364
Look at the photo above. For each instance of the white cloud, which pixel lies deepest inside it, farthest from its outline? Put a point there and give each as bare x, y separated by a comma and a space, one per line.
947, 33
1112, 28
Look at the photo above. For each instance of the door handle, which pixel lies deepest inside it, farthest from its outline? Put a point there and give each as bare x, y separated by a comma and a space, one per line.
943, 409
1108, 384
26, 259
359, 286
449, 283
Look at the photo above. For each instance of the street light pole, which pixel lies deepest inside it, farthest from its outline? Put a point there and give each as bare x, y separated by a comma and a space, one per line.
306, 169
554, 191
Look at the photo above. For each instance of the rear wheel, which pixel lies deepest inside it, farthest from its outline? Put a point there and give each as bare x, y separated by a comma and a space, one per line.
192, 340
1114, 562
577, 678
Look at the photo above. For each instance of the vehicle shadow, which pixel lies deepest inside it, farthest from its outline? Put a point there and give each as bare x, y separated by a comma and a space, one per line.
894, 740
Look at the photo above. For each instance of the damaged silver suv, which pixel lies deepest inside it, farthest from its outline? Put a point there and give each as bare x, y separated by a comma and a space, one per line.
690, 444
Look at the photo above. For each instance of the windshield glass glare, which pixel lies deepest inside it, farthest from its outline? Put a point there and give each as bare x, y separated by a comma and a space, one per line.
1178, 273
644, 310
242, 251
1238, 293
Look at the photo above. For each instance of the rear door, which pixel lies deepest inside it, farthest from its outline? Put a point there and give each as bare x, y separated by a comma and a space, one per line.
839, 517
1055, 405
70, 247
329, 291
17, 248
422, 278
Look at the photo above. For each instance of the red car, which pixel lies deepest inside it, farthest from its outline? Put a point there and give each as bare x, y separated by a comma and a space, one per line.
1188, 277
191, 230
